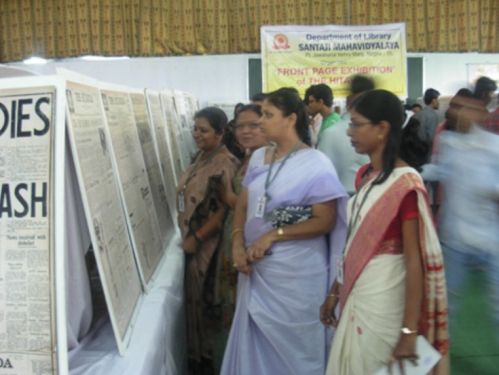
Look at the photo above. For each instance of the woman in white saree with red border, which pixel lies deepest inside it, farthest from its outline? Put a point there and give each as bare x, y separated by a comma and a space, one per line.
392, 289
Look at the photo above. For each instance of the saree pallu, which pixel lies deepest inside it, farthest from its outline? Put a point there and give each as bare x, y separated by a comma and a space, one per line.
200, 197
372, 296
276, 328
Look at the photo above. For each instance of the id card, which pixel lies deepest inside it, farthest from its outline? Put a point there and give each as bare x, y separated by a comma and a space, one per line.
260, 206
339, 269
181, 202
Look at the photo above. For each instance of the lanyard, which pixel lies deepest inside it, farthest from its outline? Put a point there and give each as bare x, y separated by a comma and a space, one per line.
198, 164
354, 218
269, 180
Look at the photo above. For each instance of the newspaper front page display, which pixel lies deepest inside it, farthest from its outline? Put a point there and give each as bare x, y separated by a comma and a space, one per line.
172, 120
136, 192
163, 144
103, 209
167, 226
27, 227
185, 124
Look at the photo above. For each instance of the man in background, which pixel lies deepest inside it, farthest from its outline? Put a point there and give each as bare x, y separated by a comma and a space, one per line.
428, 117
319, 101
485, 89
335, 143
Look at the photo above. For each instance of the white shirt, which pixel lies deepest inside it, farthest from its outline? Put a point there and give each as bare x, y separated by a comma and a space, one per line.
336, 145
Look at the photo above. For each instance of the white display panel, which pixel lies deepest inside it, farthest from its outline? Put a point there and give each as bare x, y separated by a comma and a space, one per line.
153, 169
185, 124
173, 127
32, 299
105, 214
134, 184
163, 146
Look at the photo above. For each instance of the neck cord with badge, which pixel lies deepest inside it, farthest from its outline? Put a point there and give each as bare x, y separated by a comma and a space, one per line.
354, 218
262, 201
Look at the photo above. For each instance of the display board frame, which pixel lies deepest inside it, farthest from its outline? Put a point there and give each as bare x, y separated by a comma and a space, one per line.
122, 339
56, 216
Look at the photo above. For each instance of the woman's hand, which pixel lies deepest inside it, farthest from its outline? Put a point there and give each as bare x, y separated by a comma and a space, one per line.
189, 244
327, 315
405, 349
258, 248
240, 260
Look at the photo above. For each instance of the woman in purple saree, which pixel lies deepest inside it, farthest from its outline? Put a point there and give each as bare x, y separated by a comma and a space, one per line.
289, 224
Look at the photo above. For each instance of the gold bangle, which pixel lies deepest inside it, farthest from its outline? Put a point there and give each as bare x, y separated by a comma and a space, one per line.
332, 295
237, 230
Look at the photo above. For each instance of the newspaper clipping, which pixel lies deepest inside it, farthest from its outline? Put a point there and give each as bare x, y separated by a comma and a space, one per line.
163, 143
173, 127
167, 227
27, 323
105, 214
143, 221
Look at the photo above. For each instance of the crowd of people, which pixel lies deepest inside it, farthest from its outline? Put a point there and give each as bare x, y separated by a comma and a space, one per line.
310, 237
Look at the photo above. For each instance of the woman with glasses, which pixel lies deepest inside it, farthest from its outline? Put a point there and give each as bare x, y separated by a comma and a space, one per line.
249, 137
390, 283
291, 201
201, 213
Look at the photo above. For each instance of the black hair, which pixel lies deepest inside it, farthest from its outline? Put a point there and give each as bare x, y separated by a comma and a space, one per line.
429, 95
416, 105
360, 83
215, 117
237, 108
259, 97
454, 106
382, 105
288, 101
413, 150
320, 92
464, 92
483, 86
249, 107
230, 141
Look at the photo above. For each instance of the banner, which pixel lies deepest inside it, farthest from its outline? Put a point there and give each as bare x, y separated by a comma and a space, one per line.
301, 56
32, 306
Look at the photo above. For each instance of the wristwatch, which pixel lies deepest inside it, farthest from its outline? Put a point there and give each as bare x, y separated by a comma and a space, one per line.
408, 331
280, 232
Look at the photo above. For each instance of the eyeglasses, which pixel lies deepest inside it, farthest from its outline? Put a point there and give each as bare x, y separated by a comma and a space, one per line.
358, 125
250, 126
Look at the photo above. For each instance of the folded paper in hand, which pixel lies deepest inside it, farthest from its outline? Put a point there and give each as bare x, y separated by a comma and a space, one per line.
428, 358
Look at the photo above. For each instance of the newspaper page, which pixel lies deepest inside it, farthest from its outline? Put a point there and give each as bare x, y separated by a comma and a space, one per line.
27, 311
185, 124
138, 201
173, 127
167, 227
163, 143
105, 215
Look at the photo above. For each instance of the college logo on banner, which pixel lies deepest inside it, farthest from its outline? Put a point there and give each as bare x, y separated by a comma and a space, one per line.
300, 56
280, 42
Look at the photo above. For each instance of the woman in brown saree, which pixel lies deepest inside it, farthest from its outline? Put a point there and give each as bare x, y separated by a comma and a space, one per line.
200, 218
